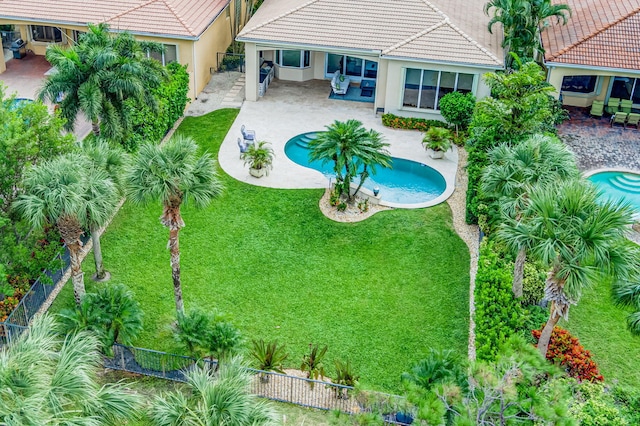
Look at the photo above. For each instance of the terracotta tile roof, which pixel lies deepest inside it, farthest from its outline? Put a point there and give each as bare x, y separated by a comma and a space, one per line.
600, 33
177, 18
437, 30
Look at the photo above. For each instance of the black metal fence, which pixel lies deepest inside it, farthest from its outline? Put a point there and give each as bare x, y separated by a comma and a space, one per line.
227, 61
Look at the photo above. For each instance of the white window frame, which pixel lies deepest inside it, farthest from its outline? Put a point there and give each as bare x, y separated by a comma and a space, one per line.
436, 100
344, 66
53, 41
278, 59
164, 61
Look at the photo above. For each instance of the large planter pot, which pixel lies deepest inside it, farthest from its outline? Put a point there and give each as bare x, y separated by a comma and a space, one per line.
258, 173
436, 155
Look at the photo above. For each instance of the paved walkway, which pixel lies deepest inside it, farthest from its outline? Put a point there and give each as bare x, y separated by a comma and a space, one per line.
597, 145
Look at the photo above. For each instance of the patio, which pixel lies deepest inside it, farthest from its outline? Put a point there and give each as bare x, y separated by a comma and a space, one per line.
24, 77
597, 145
291, 108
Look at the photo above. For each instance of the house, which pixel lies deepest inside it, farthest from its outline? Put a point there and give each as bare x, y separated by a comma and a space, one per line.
192, 31
410, 52
597, 54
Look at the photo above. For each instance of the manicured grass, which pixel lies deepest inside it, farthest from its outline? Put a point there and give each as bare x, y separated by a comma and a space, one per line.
601, 328
379, 292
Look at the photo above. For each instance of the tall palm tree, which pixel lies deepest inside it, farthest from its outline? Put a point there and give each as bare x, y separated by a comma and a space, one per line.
514, 170
353, 150
627, 293
111, 160
220, 398
50, 379
578, 237
173, 173
67, 191
97, 75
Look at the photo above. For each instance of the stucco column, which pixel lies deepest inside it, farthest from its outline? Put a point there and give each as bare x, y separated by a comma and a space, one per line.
555, 77
252, 71
3, 66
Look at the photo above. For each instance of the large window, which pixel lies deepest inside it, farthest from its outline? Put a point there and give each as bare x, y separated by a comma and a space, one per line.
170, 54
351, 66
46, 34
293, 58
626, 88
579, 83
424, 88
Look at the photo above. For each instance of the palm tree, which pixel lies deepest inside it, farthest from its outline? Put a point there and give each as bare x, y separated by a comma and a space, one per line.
514, 170
173, 173
578, 237
97, 75
220, 398
627, 294
47, 378
111, 160
354, 151
67, 191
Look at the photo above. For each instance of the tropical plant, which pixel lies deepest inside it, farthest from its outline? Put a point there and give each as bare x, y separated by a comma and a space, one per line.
269, 356
259, 156
50, 379
627, 293
595, 405
207, 335
438, 367
96, 75
221, 340
173, 173
67, 191
190, 331
354, 152
112, 160
512, 172
221, 398
577, 237
111, 312
438, 139
457, 108
312, 362
346, 376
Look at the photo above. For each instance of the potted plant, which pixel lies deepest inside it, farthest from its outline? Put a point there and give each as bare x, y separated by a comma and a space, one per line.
259, 157
437, 141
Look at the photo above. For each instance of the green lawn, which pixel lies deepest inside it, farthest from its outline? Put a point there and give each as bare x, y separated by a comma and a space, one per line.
379, 292
601, 328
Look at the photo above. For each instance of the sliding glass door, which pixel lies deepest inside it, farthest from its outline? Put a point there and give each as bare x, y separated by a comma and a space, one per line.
356, 68
626, 88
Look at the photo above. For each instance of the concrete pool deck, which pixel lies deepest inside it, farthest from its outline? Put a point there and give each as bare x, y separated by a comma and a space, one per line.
291, 108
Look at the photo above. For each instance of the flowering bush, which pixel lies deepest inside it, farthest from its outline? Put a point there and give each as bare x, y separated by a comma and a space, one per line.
566, 351
411, 123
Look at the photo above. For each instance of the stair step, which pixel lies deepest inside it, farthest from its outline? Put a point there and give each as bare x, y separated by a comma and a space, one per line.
625, 186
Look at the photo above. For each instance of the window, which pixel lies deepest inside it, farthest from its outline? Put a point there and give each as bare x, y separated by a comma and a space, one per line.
424, 88
351, 66
46, 34
293, 58
170, 54
626, 88
579, 83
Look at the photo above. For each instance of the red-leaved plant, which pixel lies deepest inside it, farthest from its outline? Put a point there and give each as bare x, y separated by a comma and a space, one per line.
566, 351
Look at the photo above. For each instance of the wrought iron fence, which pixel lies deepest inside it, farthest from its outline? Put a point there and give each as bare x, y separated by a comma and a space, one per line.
227, 61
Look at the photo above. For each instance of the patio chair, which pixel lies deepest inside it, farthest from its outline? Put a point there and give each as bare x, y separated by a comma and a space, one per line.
612, 105
625, 105
633, 120
248, 135
619, 118
597, 109
243, 145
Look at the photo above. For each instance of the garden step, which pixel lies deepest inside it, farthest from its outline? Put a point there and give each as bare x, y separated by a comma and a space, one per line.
626, 183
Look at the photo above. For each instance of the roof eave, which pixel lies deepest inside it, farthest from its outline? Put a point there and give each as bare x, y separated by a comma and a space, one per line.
550, 64
435, 61
303, 46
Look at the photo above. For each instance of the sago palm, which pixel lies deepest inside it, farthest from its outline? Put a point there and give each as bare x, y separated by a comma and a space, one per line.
579, 237
514, 170
353, 150
213, 399
67, 191
49, 379
172, 174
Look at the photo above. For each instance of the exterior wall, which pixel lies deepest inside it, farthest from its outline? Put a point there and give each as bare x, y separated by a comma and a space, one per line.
215, 39
394, 89
252, 63
555, 75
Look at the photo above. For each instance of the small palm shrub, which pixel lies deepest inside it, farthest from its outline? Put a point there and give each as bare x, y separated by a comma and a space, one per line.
269, 357
344, 376
312, 362
259, 156
438, 139
209, 336
438, 367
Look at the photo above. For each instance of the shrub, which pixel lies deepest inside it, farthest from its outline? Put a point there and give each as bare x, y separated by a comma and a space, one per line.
410, 123
437, 139
595, 406
566, 351
457, 108
269, 356
533, 284
312, 362
498, 314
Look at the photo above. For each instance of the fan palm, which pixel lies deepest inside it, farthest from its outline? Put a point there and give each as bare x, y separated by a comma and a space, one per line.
514, 170
627, 293
97, 75
220, 398
113, 161
353, 150
67, 191
173, 173
578, 237
49, 379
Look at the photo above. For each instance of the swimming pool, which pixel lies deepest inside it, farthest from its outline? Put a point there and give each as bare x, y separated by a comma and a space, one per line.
619, 185
408, 182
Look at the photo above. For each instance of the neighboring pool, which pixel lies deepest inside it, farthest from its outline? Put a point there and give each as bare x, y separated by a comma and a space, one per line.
17, 102
408, 182
619, 185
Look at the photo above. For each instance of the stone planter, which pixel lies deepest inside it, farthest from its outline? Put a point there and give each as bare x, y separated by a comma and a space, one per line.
436, 155
257, 173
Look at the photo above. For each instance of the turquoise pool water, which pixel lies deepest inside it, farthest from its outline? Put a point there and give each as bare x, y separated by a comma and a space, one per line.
408, 182
619, 185
19, 102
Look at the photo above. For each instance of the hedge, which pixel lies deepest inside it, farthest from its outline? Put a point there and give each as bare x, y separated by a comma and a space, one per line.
411, 123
